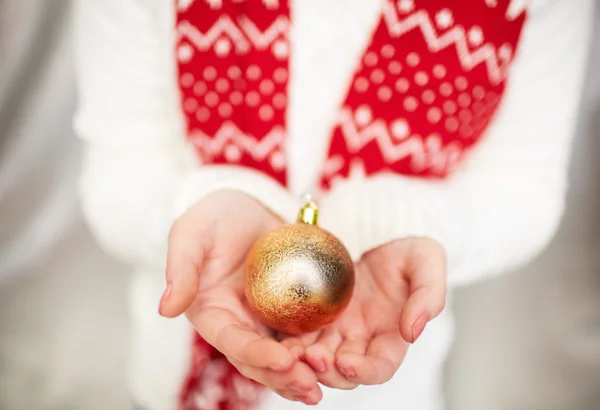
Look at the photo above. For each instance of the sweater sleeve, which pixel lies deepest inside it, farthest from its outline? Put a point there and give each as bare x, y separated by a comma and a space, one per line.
505, 204
139, 173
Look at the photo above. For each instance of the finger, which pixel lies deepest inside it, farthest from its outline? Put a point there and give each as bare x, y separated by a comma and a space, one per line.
295, 346
237, 341
310, 398
332, 339
382, 359
308, 339
321, 357
321, 354
426, 273
298, 383
184, 259
299, 379
350, 347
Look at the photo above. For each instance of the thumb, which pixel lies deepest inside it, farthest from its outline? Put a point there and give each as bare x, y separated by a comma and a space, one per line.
184, 261
426, 274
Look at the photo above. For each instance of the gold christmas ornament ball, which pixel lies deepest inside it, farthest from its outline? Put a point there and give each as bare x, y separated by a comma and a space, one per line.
299, 278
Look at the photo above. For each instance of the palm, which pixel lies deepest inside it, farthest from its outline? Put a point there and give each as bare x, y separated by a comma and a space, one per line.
207, 250
220, 298
374, 309
365, 345
208, 246
377, 302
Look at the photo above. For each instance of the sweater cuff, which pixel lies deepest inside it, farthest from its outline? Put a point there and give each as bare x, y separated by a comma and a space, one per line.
367, 213
212, 178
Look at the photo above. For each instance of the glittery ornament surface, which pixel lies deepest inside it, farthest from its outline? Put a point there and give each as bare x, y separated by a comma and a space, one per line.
298, 278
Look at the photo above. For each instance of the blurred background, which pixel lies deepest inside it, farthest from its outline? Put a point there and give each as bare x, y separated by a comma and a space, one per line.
63, 309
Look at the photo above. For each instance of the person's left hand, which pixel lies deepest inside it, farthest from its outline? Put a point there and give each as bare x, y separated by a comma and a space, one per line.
400, 286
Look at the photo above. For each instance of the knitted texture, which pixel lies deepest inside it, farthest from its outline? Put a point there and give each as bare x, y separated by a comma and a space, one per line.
423, 93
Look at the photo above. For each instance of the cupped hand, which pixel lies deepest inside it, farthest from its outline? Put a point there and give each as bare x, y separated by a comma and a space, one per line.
207, 249
400, 286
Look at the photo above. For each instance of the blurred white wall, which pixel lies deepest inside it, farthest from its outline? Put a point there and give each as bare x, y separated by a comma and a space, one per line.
39, 160
62, 302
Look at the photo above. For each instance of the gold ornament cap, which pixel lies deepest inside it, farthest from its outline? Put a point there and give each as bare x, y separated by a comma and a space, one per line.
309, 213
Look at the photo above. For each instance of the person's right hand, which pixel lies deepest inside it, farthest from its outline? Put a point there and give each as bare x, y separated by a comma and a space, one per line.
208, 245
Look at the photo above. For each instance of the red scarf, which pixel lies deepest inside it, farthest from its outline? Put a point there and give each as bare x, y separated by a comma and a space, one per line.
425, 90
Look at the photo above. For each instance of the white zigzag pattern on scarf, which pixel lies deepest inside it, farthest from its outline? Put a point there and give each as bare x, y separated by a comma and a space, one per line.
242, 35
230, 133
424, 152
183, 5
455, 36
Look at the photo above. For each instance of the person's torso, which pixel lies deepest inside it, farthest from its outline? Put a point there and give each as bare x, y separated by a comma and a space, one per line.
314, 91
321, 90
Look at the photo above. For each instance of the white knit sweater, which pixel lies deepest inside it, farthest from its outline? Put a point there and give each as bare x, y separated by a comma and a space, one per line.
497, 212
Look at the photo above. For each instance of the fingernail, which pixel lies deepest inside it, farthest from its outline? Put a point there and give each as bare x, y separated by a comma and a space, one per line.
299, 398
164, 298
306, 400
419, 325
311, 401
297, 388
349, 372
